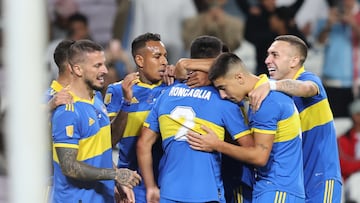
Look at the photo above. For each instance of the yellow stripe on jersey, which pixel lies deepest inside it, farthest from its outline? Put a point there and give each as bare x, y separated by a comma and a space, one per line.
69, 107
112, 114
64, 145
273, 132
242, 134
280, 197
317, 114
238, 194
288, 129
172, 126
134, 123
95, 145
91, 146
152, 86
329, 189
55, 85
285, 129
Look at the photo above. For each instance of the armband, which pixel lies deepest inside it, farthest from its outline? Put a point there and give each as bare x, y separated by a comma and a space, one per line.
272, 84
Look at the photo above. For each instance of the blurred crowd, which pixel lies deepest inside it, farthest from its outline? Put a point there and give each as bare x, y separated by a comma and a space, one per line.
331, 29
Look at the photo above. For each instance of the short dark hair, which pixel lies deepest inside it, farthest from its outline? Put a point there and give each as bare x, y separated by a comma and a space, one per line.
298, 43
61, 54
205, 46
78, 49
222, 65
140, 41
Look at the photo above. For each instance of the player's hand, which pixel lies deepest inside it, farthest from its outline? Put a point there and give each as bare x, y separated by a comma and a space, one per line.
60, 98
127, 84
124, 194
206, 142
169, 75
127, 177
152, 195
197, 79
257, 95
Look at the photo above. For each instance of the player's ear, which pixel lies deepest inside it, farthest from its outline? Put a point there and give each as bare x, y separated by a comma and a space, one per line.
239, 77
77, 70
139, 60
295, 60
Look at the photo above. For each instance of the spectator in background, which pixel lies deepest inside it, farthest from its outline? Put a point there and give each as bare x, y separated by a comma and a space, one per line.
349, 149
282, 22
164, 17
341, 31
59, 13
119, 59
213, 21
257, 26
77, 29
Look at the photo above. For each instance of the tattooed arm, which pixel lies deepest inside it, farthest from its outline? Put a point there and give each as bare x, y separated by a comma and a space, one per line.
257, 154
297, 88
79, 170
291, 87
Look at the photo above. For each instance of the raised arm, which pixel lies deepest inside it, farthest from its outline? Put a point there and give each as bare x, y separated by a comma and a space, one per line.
185, 64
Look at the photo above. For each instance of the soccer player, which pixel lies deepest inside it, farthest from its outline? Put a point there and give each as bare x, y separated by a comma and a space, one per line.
135, 96
275, 125
285, 62
57, 95
238, 177
83, 169
187, 175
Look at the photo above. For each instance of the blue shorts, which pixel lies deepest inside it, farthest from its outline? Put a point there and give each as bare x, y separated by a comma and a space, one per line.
328, 191
277, 197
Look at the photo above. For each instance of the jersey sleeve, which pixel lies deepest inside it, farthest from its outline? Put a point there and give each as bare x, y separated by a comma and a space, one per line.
234, 120
113, 99
152, 121
65, 128
266, 118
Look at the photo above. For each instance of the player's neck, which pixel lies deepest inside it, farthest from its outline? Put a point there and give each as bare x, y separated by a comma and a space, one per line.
81, 90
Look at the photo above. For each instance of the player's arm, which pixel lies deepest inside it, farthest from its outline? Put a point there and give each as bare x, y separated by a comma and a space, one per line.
73, 168
145, 161
118, 125
184, 65
291, 87
257, 154
118, 122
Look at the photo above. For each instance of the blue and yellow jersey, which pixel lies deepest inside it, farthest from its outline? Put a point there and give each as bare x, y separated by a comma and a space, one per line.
144, 97
284, 170
188, 175
85, 126
320, 150
54, 88
57, 87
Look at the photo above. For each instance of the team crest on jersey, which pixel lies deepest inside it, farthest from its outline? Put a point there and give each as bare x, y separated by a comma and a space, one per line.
107, 98
69, 130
